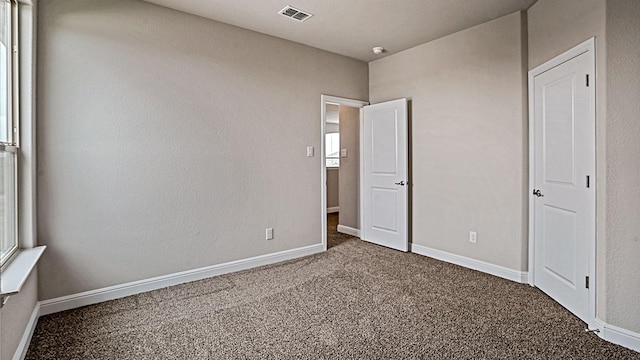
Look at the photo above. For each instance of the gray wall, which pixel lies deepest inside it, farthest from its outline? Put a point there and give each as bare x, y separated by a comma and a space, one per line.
15, 315
468, 138
350, 167
623, 165
333, 187
169, 142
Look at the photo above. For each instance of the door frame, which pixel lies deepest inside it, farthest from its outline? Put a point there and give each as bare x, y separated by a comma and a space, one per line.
324, 100
585, 47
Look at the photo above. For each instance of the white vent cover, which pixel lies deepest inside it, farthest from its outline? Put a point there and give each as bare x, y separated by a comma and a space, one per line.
295, 14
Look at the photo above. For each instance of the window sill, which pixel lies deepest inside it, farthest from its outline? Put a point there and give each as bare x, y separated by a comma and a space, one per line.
16, 273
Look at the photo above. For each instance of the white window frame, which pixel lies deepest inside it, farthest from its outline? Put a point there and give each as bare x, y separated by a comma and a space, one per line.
13, 105
14, 232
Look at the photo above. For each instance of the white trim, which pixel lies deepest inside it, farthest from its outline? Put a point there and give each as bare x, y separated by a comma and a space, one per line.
23, 345
485, 267
18, 270
585, 47
324, 100
136, 287
333, 209
361, 185
532, 180
617, 335
27, 227
349, 230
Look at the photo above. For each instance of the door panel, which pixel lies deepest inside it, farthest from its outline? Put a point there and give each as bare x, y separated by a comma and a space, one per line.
385, 172
564, 213
383, 204
560, 244
384, 146
559, 129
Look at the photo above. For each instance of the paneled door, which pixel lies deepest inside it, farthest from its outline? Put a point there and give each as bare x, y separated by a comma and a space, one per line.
563, 189
385, 174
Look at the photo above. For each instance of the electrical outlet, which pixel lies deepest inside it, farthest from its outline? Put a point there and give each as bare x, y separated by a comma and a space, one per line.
473, 237
269, 234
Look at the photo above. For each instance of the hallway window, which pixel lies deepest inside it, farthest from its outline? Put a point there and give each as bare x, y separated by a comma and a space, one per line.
332, 149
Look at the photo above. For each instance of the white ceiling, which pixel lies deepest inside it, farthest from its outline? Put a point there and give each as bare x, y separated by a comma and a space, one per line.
353, 27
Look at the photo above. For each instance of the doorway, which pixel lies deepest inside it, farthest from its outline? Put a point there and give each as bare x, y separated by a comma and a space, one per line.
340, 158
562, 179
378, 177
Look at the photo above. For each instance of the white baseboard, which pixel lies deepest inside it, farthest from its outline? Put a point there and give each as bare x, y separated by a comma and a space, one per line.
333, 209
496, 270
349, 230
136, 287
23, 345
616, 335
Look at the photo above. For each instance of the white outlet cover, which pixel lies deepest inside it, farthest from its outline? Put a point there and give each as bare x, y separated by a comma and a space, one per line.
344, 153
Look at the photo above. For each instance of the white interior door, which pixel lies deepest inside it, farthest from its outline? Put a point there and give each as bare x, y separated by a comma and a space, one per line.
385, 174
563, 193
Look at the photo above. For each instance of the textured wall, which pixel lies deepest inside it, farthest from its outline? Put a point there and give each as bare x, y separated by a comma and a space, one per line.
468, 138
169, 142
555, 27
333, 187
350, 167
15, 315
623, 165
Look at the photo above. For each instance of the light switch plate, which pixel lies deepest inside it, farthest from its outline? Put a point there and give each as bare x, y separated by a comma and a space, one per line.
344, 153
309, 151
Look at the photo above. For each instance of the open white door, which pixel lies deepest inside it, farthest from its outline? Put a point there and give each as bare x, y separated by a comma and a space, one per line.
563, 169
385, 174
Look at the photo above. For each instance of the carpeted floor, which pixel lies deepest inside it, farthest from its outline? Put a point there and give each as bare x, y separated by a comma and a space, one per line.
356, 301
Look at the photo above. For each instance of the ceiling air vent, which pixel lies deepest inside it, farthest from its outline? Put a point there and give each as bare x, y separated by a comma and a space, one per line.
295, 14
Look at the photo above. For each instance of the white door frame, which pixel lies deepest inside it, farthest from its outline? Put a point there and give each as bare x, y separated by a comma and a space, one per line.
586, 47
324, 100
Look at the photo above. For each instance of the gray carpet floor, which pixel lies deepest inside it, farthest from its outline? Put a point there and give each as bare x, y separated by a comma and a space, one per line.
355, 301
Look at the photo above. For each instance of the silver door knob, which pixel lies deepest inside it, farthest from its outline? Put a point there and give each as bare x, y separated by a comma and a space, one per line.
537, 193
401, 183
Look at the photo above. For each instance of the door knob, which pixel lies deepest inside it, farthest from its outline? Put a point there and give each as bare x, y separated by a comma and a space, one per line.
537, 193
401, 183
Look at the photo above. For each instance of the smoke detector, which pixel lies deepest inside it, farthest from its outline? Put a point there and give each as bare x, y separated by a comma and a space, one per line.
378, 50
295, 14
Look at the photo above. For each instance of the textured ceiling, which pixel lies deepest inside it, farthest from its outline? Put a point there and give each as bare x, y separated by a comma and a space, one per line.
353, 27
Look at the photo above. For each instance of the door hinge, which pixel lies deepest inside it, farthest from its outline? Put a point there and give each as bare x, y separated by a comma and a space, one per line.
588, 182
586, 282
587, 80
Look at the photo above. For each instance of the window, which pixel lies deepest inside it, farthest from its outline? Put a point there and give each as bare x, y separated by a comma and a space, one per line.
8, 138
332, 149
8, 238
5, 72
